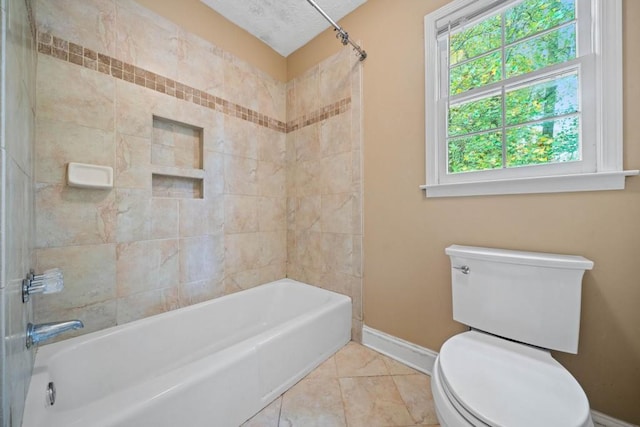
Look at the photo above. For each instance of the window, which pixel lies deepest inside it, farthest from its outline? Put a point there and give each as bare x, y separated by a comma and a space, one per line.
524, 97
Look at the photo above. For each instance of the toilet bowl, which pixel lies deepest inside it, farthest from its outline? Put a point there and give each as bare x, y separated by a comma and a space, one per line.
482, 380
519, 305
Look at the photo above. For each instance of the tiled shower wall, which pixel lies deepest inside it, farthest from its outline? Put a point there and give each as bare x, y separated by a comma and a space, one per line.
18, 226
106, 69
324, 179
132, 252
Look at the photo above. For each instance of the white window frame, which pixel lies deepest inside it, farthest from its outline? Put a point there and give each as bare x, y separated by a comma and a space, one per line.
602, 166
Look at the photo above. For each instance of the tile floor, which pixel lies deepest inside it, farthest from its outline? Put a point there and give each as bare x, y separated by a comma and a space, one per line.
355, 387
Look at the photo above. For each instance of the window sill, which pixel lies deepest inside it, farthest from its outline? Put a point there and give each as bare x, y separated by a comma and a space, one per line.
553, 184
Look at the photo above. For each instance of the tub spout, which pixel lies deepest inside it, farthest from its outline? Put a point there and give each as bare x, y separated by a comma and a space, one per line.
44, 331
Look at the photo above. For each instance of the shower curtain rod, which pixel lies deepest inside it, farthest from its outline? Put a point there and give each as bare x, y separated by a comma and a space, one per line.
342, 34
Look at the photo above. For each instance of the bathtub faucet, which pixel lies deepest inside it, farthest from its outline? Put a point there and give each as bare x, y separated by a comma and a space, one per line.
44, 331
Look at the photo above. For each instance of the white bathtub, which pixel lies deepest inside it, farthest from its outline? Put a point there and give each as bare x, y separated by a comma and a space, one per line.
212, 364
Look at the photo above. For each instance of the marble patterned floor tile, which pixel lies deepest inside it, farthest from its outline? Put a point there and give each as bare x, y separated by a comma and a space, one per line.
355, 360
355, 387
373, 402
313, 402
268, 417
327, 369
397, 368
415, 391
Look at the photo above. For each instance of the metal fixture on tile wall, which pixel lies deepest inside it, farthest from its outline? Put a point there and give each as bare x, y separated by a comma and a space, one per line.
342, 35
49, 282
45, 331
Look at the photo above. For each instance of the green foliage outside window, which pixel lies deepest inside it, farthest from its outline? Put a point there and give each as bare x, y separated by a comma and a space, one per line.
541, 118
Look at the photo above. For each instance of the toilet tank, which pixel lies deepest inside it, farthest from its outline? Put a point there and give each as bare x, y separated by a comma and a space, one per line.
531, 297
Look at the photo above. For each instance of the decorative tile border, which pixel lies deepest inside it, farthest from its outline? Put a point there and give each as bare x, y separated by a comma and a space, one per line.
76, 54
79, 55
324, 113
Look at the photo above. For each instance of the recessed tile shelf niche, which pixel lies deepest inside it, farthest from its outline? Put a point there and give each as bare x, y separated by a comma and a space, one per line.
176, 160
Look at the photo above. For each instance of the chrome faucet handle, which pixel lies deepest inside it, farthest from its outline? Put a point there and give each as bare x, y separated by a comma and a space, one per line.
49, 282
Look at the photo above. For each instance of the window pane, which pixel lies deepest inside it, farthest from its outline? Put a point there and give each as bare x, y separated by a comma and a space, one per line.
546, 99
532, 16
547, 49
553, 141
476, 40
479, 72
475, 116
475, 153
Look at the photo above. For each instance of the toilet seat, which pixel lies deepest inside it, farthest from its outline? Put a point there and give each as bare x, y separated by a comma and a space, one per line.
496, 382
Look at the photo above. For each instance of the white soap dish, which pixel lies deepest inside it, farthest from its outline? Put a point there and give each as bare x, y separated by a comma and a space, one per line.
89, 176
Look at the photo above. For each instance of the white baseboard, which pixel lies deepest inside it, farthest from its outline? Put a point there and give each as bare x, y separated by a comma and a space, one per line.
422, 359
410, 354
602, 420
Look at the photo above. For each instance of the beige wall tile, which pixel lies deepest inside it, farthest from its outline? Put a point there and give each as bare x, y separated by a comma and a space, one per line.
214, 180
90, 23
271, 146
200, 63
202, 258
241, 175
309, 249
146, 40
338, 252
240, 138
133, 219
62, 142
309, 177
334, 78
241, 213
240, 82
307, 143
89, 275
337, 213
272, 213
200, 217
164, 218
90, 103
273, 247
132, 162
242, 252
337, 174
74, 216
272, 179
204, 290
335, 135
307, 99
147, 265
308, 215
136, 106
249, 278
145, 304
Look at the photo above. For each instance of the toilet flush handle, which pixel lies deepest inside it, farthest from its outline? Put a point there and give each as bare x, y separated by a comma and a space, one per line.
463, 268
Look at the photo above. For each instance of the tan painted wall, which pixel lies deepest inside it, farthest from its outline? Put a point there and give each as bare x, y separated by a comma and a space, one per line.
406, 276
213, 27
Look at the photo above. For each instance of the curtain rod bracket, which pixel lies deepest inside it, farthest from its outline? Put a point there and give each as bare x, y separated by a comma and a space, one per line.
341, 35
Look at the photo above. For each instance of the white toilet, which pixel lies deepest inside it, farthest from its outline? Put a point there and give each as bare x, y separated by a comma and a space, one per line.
500, 373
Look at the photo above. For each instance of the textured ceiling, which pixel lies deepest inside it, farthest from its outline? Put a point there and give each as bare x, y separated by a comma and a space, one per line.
285, 25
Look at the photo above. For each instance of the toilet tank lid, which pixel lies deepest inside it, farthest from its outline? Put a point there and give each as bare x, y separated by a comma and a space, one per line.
540, 259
